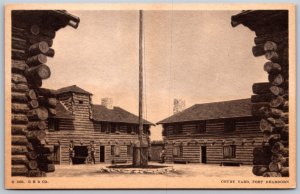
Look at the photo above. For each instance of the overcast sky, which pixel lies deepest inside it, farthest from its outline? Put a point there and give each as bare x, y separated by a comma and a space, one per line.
193, 55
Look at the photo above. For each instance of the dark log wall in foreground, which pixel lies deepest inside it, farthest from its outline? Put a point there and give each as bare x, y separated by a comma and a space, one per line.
270, 99
32, 36
245, 137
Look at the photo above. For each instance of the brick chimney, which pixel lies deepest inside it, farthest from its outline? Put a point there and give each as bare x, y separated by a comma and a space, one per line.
179, 105
107, 102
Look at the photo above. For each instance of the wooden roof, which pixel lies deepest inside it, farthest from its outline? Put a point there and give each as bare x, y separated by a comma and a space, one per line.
210, 111
62, 112
117, 115
72, 89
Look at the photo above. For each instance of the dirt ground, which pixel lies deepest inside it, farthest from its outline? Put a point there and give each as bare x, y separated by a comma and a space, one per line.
182, 170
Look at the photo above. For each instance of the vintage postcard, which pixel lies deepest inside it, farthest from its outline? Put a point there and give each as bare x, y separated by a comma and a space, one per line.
155, 96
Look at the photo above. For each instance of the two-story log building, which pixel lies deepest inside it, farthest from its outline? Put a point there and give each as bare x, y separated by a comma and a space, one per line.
111, 130
216, 133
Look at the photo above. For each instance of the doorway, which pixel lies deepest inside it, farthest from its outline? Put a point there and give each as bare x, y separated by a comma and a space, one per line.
102, 153
81, 152
203, 154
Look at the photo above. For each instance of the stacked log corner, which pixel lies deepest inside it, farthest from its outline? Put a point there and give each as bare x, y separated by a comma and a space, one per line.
31, 105
270, 99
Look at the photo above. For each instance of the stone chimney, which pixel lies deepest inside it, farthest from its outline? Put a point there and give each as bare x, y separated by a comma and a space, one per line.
107, 102
179, 105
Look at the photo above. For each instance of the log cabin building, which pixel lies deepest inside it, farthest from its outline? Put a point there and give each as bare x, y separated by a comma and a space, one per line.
215, 133
112, 131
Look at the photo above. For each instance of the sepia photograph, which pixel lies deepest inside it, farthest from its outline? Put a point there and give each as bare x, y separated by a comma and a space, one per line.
150, 96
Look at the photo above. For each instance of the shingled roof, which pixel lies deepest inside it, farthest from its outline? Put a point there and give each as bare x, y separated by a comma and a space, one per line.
73, 89
62, 112
214, 110
117, 114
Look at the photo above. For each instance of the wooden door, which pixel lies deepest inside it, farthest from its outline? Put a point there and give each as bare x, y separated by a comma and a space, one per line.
102, 153
203, 154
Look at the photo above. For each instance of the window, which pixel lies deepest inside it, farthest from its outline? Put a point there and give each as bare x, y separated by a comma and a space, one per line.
146, 130
175, 151
104, 127
135, 129
178, 151
200, 127
53, 125
229, 151
170, 131
113, 128
115, 150
128, 129
229, 125
164, 132
112, 150
177, 129
80, 101
129, 150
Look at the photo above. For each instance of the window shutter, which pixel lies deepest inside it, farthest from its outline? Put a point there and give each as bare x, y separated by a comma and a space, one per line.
175, 151
229, 151
117, 150
180, 151
112, 150
129, 150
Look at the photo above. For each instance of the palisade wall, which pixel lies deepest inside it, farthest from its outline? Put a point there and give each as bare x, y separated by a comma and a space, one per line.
270, 99
32, 37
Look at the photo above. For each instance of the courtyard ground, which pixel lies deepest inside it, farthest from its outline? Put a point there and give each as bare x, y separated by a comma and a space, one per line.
182, 170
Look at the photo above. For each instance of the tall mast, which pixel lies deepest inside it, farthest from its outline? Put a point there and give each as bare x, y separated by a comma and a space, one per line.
141, 77
140, 151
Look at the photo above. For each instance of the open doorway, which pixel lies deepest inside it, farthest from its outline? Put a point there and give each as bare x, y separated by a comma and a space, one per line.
203, 154
81, 152
102, 153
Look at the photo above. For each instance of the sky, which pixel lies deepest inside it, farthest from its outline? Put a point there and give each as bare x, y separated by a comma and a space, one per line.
192, 55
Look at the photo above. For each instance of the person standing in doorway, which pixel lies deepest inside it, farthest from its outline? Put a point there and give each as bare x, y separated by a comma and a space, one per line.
71, 152
92, 152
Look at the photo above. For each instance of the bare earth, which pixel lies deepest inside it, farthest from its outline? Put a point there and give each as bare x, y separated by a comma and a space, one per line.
182, 170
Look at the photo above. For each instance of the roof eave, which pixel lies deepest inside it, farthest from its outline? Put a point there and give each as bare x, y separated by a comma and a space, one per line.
96, 120
63, 117
165, 122
59, 93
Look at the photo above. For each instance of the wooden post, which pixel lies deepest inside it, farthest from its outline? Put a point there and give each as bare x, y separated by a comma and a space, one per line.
140, 150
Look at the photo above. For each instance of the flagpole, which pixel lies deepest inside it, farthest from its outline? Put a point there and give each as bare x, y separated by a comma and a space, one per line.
141, 77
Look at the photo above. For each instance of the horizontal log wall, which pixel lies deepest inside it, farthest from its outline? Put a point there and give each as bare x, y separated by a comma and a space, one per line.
270, 99
246, 137
32, 36
62, 138
82, 130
